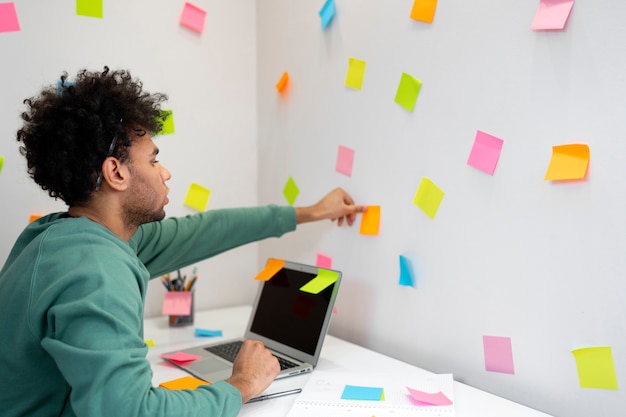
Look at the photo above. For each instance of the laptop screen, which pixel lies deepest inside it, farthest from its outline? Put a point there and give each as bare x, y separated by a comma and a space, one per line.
289, 316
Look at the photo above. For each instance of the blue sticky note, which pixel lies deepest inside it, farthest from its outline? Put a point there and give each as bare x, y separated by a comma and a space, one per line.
406, 277
327, 13
354, 392
208, 333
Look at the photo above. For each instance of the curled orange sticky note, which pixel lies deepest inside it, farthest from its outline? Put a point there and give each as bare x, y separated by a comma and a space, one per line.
280, 85
569, 162
271, 268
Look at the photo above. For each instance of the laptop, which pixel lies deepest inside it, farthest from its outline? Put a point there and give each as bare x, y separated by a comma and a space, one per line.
292, 323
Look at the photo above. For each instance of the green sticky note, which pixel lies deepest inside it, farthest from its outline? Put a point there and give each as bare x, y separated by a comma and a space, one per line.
428, 197
167, 120
323, 280
1, 163
291, 191
89, 8
356, 72
409, 88
595, 367
197, 197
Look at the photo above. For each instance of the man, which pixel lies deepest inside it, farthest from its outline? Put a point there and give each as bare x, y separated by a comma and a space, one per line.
73, 288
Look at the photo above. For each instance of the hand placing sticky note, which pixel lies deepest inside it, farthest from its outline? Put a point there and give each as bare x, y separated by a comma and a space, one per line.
406, 276
424, 10
485, 152
370, 221
428, 197
327, 13
8, 18
356, 72
595, 367
281, 85
186, 382
355, 392
408, 90
271, 268
89, 8
323, 280
177, 303
181, 357
193, 17
569, 162
197, 197
291, 191
167, 122
552, 14
498, 354
345, 158
427, 398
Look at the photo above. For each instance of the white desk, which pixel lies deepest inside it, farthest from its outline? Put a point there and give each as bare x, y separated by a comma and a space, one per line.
470, 402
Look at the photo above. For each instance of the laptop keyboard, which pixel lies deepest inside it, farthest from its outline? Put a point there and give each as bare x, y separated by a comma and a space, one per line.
230, 350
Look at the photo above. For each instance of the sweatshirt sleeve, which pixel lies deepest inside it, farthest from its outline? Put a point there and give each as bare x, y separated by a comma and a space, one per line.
179, 241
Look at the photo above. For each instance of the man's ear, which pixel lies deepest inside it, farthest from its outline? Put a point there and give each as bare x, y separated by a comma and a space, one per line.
115, 174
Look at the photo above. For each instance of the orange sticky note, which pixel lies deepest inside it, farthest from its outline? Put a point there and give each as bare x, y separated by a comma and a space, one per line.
33, 217
569, 162
186, 382
280, 85
370, 221
271, 268
424, 10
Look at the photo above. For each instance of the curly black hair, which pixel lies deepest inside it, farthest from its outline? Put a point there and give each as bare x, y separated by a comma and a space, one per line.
69, 127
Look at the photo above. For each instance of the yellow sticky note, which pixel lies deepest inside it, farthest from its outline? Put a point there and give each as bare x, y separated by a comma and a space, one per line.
280, 85
595, 367
291, 191
186, 382
1, 162
569, 162
89, 8
370, 221
424, 10
408, 90
271, 268
428, 197
356, 72
167, 122
197, 197
323, 280
149, 342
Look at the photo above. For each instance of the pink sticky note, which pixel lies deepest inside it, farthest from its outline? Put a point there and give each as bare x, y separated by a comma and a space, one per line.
426, 398
193, 17
177, 303
8, 18
498, 354
485, 152
324, 261
345, 157
181, 357
552, 14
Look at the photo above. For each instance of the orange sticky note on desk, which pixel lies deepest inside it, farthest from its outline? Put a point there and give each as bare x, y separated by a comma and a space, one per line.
186, 382
271, 268
569, 162
370, 221
424, 10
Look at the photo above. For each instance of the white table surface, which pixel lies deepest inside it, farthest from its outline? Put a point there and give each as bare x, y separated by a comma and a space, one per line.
469, 401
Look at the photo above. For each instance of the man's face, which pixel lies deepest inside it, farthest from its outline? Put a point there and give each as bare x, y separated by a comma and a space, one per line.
146, 196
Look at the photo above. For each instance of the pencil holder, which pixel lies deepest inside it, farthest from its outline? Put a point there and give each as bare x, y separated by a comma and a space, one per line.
181, 319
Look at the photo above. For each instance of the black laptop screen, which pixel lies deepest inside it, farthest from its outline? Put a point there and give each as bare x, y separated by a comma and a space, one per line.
287, 315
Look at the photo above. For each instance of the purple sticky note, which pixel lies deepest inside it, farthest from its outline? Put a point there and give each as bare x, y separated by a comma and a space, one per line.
498, 354
177, 303
8, 18
345, 157
324, 261
485, 152
193, 17
552, 14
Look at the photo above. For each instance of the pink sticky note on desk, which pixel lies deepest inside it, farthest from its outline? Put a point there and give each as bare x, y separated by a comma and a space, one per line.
498, 354
426, 398
485, 152
193, 17
8, 18
177, 303
181, 357
552, 14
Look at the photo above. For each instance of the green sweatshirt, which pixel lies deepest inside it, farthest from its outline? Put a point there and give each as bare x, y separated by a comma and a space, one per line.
71, 300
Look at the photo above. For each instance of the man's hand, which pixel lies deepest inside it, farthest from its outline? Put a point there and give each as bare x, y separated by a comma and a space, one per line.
336, 205
255, 368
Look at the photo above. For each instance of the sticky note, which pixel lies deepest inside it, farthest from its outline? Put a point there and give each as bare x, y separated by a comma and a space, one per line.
167, 122
408, 90
197, 197
428, 197
89, 8
149, 342
424, 10
8, 18
552, 14
207, 333
177, 303
427, 398
498, 354
345, 159
323, 280
355, 392
186, 382
356, 72
370, 221
406, 277
181, 357
569, 162
291, 191
282, 83
323, 261
33, 217
485, 152
327, 13
193, 17
595, 367
1, 162
271, 268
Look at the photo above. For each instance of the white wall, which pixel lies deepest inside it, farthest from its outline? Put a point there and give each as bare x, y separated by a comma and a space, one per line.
507, 255
210, 79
